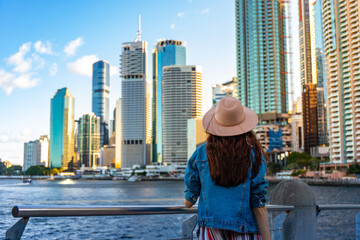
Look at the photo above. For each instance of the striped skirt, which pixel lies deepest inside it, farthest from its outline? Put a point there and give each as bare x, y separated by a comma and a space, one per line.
221, 234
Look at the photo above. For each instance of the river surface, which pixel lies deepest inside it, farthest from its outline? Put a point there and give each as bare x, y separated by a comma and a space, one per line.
331, 224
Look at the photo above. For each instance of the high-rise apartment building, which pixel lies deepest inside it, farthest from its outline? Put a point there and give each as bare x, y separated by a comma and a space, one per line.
88, 138
308, 73
36, 153
342, 40
62, 142
261, 55
226, 89
165, 53
100, 97
135, 104
182, 100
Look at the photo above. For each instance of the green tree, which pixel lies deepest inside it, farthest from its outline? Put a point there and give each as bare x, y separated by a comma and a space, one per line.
37, 171
353, 169
14, 170
273, 168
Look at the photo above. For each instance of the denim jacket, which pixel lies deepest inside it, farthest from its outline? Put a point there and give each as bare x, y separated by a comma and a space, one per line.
221, 207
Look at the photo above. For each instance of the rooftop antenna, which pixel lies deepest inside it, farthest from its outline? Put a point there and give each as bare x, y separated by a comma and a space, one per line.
138, 38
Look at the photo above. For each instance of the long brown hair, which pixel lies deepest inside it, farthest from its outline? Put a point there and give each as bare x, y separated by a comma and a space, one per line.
230, 158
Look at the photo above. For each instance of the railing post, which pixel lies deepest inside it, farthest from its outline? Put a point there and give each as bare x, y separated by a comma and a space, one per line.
300, 223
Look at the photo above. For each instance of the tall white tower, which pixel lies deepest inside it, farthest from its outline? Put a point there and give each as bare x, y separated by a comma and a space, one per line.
135, 104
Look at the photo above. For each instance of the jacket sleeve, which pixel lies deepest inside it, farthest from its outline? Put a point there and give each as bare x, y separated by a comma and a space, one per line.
192, 181
258, 187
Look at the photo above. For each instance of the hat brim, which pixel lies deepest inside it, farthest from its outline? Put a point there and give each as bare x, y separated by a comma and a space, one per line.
211, 127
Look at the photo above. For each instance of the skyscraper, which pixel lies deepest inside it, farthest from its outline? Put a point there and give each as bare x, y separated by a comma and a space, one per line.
36, 153
165, 53
135, 104
308, 73
89, 140
100, 97
261, 55
342, 40
62, 130
182, 100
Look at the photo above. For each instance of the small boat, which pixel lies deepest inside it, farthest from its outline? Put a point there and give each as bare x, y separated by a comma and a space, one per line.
27, 180
134, 179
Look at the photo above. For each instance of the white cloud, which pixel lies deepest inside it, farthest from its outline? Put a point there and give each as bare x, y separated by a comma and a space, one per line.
71, 48
205, 11
8, 81
181, 14
20, 136
43, 48
53, 69
18, 60
83, 65
190, 1
172, 26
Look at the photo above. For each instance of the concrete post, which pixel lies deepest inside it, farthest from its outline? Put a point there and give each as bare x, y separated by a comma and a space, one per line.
300, 223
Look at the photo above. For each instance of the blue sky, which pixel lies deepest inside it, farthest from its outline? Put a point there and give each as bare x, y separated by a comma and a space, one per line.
47, 45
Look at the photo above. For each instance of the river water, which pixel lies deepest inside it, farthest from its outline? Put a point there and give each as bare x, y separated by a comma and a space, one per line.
331, 224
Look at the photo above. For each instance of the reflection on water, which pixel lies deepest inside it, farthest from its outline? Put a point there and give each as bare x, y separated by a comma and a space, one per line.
331, 224
67, 182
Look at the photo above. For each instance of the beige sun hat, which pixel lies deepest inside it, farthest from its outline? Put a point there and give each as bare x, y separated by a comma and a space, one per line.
229, 118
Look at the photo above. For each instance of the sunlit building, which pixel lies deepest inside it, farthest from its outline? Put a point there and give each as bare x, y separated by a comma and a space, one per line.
118, 134
165, 53
135, 104
308, 73
226, 89
62, 138
196, 135
36, 153
342, 40
182, 100
261, 54
89, 140
100, 97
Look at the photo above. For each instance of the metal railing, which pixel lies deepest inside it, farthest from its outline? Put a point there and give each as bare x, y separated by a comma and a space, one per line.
26, 212
294, 212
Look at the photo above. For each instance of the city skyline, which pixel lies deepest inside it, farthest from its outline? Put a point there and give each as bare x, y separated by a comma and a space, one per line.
48, 52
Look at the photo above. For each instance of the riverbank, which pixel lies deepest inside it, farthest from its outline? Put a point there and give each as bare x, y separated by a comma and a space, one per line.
309, 181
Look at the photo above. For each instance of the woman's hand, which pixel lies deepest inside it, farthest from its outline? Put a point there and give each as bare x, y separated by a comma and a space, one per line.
188, 204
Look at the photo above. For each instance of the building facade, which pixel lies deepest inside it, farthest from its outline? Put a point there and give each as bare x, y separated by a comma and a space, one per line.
261, 55
165, 53
342, 38
100, 97
118, 134
226, 89
196, 135
274, 134
36, 153
135, 104
62, 138
308, 73
182, 100
88, 138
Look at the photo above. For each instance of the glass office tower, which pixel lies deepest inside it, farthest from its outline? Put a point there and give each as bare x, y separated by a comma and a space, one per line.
261, 55
89, 140
165, 53
62, 143
100, 98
